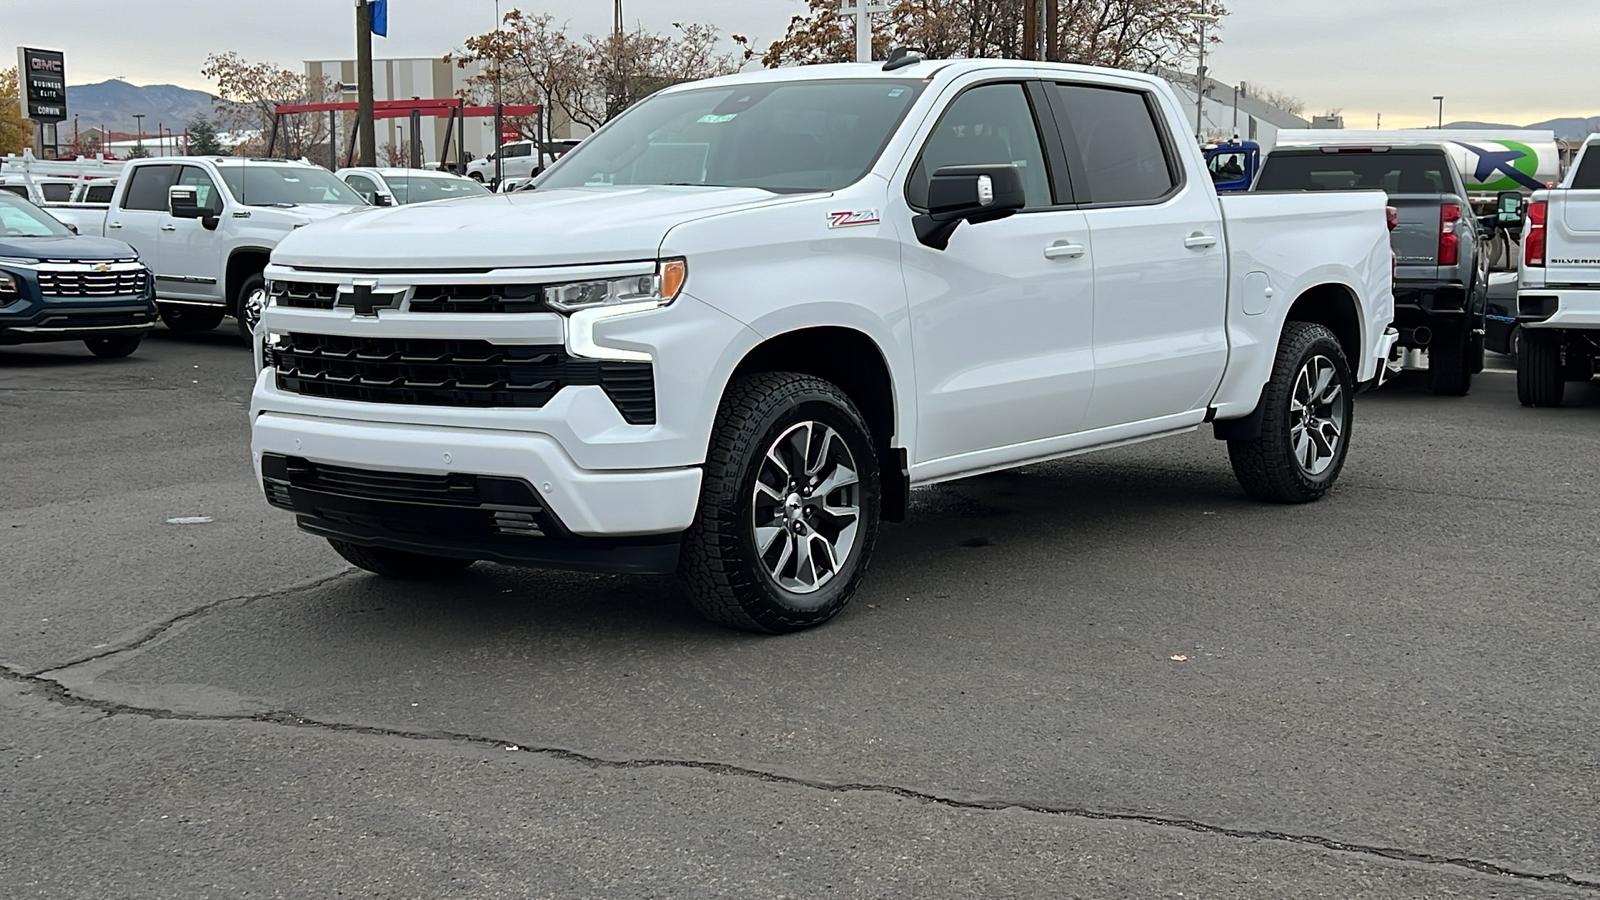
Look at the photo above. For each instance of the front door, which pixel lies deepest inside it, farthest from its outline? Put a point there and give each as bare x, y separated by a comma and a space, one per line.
190, 254
1001, 320
1160, 266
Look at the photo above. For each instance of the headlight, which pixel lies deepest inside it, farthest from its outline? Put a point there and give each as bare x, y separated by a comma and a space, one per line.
659, 289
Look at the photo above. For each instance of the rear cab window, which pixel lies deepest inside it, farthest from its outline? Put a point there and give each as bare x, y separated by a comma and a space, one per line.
1587, 176
1358, 169
1118, 150
147, 188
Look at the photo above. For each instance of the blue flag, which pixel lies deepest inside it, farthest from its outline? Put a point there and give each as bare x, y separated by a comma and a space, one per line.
379, 11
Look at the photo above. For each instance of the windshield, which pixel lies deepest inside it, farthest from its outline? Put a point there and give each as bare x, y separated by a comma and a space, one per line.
423, 188
270, 185
19, 218
782, 136
1393, 172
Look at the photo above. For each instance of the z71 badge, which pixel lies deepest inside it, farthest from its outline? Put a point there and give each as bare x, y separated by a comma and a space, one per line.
851, 219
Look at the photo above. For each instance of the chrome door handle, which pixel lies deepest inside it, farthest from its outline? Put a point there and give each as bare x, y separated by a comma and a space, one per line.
1198, 241
169, 227
1063, 250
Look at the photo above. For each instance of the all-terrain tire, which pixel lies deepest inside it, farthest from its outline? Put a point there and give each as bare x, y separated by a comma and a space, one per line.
191, 319
398, 563
1540, 378
728, 579
1450, 363
113, 348
1270, 466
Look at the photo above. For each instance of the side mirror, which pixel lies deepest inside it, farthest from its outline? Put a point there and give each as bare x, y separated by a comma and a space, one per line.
974, 194
183, 201
71, 227
381, 199
1508, 209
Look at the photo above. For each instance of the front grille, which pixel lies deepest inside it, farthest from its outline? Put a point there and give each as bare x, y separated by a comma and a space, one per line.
479, 298
430, 372
120, 283
304, 294
408, 487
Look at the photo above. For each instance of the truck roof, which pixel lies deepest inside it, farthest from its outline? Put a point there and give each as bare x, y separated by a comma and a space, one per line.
922, 69
226, 161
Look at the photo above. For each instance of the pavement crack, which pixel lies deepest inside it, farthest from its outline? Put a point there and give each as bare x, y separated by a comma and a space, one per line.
55, 692
161, 628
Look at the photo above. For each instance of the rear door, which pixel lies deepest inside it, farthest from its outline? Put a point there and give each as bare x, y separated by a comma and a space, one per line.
140, 216
1572, 232
1160, 263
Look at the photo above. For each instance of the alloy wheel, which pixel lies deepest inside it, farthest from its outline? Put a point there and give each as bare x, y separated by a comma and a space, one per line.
1317, 414
807, 507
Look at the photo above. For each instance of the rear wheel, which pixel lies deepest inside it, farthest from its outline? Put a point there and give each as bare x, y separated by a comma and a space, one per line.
1540, 380
191, 319
398, 563
113, 348
1305, 423
788, 506
1450, 364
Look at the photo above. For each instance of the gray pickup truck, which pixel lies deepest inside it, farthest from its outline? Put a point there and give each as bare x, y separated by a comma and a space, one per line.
1441, 267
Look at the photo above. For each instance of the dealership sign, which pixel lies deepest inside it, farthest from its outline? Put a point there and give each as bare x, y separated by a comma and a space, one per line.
42, 79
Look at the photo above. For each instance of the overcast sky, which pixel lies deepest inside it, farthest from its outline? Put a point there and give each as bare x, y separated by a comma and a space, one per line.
1515, 61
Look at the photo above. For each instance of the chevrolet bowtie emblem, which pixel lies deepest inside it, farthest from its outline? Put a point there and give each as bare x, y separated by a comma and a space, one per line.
366, 302
103, 267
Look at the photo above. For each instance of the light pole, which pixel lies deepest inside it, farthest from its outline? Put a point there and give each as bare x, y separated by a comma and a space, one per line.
1204, 19
1440, 98
138, 119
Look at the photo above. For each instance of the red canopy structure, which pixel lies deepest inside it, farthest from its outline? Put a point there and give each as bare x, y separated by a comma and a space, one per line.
454, 108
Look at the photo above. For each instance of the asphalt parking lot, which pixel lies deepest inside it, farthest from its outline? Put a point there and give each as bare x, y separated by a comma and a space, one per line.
1108, 677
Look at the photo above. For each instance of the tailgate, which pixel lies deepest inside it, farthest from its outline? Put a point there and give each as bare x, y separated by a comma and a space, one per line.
1572, 238
1415, 239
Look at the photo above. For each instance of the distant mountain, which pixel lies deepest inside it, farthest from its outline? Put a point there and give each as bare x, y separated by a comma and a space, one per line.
114, 103
1571, 128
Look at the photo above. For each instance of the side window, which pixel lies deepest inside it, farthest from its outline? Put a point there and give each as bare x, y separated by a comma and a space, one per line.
100, 193
205, 190
987, 125
1121, 157
1227, 167
56, 193
519, 150
363, 186
1587, 178
148, 188
17, 189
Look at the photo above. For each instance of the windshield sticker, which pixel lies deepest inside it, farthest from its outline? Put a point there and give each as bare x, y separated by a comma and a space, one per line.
897, 92
717, 120
851, 219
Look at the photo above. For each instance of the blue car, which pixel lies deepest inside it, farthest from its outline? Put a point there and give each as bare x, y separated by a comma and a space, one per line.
57, 286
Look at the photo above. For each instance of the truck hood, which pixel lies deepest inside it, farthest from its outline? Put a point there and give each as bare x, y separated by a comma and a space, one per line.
74, 248
573, 226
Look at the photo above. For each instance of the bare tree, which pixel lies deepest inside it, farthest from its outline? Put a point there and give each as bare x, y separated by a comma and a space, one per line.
248, 94
1281, 99
1129, 34
533, 60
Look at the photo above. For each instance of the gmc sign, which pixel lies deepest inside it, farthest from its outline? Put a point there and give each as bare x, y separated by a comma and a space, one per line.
43, 82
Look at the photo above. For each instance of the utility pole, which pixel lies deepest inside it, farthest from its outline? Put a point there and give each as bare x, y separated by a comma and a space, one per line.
138, 119
1440, 98
1203, 19
862, 10
365, 122
499, 100
1052, 29
1030, 29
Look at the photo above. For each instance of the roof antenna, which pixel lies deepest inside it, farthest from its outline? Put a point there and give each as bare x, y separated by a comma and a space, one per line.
900, 57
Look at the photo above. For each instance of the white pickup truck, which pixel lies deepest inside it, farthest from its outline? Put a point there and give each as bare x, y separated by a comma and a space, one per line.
731, 331
208, 253
1558, 284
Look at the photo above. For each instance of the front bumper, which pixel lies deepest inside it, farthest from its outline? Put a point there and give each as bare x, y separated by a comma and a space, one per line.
584, 515
76, 321
1558, 308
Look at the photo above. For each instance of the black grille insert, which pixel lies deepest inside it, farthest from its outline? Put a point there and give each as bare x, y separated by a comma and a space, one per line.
478, 298
432, 372
304, 294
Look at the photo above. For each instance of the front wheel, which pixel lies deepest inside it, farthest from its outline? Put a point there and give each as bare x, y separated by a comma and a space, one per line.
247, 307
113, 348
789, 506
398, 563
1308, 407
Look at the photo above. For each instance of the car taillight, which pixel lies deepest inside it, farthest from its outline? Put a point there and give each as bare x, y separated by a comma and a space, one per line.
1394, 217
1533, 244
1449, 243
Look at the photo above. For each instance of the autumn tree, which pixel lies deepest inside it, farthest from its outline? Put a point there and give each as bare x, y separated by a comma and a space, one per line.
533, 60
1125, 34
16, 133
248, 94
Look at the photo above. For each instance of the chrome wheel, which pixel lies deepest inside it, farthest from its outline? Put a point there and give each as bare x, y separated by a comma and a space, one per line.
251, 307
1317, 415
807, 507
